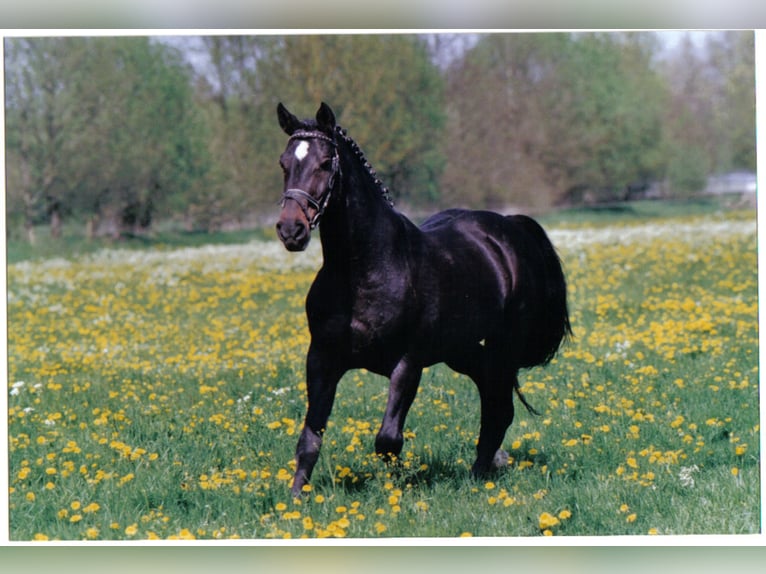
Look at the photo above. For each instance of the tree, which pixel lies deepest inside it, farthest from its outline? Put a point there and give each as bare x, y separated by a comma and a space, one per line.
384, 88
36, 131
142, 143
709, 124
732, 57
104, 128
537, 118
232, 92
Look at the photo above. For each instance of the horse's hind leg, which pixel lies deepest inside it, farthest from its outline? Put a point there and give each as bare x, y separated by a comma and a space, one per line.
495, 381
405, 379
496, 393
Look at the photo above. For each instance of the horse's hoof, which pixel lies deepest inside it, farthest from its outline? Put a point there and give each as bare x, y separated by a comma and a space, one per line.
500, 460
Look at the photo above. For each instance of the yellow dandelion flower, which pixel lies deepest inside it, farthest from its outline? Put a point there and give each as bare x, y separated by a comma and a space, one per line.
132, 529
92, 507
564, 514
740, 449
466, 535
40, 537
631, 517
547, 520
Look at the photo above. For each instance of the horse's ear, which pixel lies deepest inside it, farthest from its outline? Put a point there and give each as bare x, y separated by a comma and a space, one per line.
325, 118
287, 121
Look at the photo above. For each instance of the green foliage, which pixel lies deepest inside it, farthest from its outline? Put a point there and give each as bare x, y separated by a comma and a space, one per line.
709, 124
120, 131
686, 171
104, 127
569, 113
382, 88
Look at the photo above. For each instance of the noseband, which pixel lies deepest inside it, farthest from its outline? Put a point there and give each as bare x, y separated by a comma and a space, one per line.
297, 194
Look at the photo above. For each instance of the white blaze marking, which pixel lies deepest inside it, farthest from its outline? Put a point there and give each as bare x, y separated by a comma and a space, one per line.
302, 150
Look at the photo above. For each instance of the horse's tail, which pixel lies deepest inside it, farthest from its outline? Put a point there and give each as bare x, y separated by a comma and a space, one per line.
545, 317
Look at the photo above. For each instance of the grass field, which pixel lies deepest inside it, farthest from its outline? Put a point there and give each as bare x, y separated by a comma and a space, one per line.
158, 393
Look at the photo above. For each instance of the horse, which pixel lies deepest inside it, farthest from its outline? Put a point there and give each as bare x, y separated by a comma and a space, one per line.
482, 292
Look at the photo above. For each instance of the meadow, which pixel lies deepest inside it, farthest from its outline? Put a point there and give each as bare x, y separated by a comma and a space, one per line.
158, 394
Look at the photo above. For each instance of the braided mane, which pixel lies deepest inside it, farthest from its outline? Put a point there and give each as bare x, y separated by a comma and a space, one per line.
361, 157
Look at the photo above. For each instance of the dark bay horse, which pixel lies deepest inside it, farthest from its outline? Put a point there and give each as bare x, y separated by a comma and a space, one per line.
481, 292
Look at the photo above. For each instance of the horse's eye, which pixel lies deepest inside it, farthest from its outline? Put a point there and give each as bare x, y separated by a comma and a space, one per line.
327, 165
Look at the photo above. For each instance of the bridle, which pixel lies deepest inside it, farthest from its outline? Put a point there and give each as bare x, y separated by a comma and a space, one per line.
297, 194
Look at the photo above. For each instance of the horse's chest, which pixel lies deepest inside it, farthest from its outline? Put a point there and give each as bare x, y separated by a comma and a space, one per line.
374, 318
365, 319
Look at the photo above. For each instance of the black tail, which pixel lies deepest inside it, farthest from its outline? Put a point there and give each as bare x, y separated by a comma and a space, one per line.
544, 320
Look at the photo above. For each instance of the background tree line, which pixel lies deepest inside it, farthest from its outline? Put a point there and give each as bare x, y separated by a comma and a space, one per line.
118, 133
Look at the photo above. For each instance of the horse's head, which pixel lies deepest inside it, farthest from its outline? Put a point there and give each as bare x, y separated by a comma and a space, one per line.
311, 167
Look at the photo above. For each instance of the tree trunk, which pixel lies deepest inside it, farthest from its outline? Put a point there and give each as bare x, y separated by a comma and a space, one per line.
29, 230
56, 224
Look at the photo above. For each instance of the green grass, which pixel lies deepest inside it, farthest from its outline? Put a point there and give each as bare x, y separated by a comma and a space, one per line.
159, 392
73, 242
168, 235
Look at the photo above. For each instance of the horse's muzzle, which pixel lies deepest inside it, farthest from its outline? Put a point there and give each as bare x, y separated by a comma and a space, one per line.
294, 234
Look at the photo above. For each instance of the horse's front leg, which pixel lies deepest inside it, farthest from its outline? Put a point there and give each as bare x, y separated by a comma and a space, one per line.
405, 379
322, 376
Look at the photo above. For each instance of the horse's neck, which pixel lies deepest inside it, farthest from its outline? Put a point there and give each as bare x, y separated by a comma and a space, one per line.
361, 229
